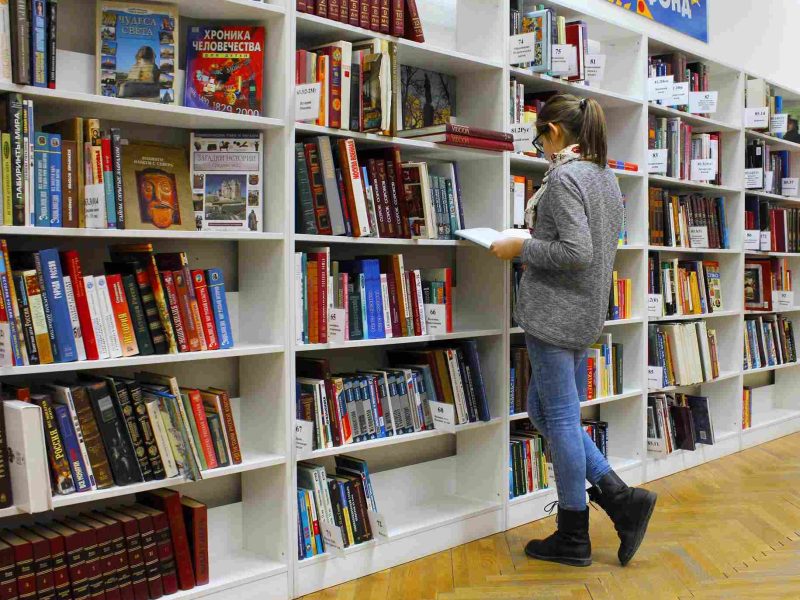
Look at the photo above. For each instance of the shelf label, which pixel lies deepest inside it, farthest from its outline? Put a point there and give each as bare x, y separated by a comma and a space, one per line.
703, 102
563, 57
655, 378
655, 305
595, 67
779, 124
704, 169
378, 523
766, 241
660, 88
436, 318
698, 236
303, 438
306, 101
332, 536
337, 324
522, 48
757, 118
782, 300
789, 186
753, 179
657, 161
444, 416
523, 137
752, 239
679, 95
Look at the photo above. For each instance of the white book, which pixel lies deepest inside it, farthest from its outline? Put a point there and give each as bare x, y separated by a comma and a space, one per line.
387, 311
299, 296
420, 303
5, 42
174, 438
162, 441
386, 401
97, 319
705, 350
63, 395
352, 173
462, 415
107, 315
73, 317
29, 470
486, 236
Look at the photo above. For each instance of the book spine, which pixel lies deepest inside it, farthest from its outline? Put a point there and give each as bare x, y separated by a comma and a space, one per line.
169, 575
18, 150
171, 296
52, 29
95, 449
196, 518
147, 435
206, 312
134, 558
162, 438
49, 266
72, 449
128, 412
230, 427
397, 23
41, 182
5, 169
74, 322
38, 43
413, 24
152, 567
20, 35
161, 301
38, 317
26, 322
363, 17
138, 318
385, 17
190, 324
60, 474
203, 431
318, 200
354, 16
96, 316
106, 164
122, 316
55, 166
157, 336
116, 163
219, 303
170, 503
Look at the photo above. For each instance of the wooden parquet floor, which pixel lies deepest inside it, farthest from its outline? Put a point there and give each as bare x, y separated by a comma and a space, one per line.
727, 529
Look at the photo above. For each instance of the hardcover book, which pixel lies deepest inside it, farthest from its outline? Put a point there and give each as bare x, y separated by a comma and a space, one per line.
224, 68
137, 50
428, 98
227, 180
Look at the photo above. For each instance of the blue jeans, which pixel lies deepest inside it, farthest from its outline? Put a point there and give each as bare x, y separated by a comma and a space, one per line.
558, 384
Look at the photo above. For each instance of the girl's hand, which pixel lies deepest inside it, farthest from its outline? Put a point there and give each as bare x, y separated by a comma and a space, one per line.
507, 248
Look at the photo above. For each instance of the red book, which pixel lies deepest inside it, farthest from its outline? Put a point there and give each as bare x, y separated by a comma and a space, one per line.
574, 37
42, 563
195, 515
119, 556
528, 463
412, 22
23, 558
412, 292
301, 5
170, 502
468, 141
177, 261
344, 11
199, 413
313, 306
385, 17
322, 8
71, 265
590, 379
8, 578
397, 21
355, 11
467, 130
334, 10
321, 260
169, 576
206, 313
363, 17
190, 325
174, 311
389, 201
133, 553
105, 551
91, 554
310, 6
374, 15
380, 212
58, 560
228, 422
122, 315
147, 534
394, 170
74, 544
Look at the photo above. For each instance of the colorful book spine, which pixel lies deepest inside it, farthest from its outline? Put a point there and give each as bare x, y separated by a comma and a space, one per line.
5, 165
219, 304
206, 311
72, 449
173, 306
74, 321
42, 181
71, 264
38, 23
54, 165
49, 265
116, 164
106, 162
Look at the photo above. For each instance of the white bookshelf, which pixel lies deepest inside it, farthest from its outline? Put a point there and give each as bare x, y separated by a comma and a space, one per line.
436, 490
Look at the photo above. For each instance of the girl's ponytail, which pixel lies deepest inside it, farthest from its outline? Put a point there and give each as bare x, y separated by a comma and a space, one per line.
583, 121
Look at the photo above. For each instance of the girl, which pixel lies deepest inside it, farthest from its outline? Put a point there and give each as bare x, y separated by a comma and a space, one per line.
562, 302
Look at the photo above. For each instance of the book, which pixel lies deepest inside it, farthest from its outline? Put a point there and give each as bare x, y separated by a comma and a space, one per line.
224, 68
219, 304
166, 558
133, 551
149, 546
48, 265
484, 236
137, 51
427, 98
195, 515
95, 450
450, 127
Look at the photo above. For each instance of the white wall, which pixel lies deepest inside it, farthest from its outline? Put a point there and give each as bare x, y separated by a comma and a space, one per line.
758, 36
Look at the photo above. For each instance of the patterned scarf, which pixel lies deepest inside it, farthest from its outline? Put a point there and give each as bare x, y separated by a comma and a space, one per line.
562, 157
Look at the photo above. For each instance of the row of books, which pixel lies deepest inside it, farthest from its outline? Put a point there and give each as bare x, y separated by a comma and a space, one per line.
687, 353
399, 18
782, 224
375, 194
354, 407
776, 165
368, 298
768, 341
686, 220
687, 287
683, 147
29, 42
523, 187
144, 304
530, 468
762, 277
620, 301
76, 174
343, 500
677, 422
148, 549
677, 64
598, 432
760, 94
521, 112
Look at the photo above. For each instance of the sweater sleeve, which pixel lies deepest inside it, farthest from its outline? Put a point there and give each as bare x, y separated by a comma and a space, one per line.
573, 248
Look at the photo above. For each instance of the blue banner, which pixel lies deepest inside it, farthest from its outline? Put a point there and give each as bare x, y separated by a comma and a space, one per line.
687, 16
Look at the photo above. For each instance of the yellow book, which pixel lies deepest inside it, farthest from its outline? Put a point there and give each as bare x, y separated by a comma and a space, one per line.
694, 288
311, 514
615, 290
8, 217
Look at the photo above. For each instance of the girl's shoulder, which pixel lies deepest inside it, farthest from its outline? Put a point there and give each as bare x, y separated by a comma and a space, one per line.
580, 170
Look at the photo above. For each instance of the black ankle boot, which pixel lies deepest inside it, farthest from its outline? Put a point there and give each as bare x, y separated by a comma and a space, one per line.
570, 544
629, 508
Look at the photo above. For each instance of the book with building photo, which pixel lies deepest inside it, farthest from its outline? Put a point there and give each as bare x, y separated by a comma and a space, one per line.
427, 97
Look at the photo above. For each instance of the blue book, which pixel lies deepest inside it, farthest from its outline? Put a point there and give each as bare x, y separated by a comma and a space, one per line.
219, 304
373, 298
375, 403
362, 295
723, 221
49, 265
41, 180
302, 511
108, 184
54, 173
38, 22
472, 359
73, 451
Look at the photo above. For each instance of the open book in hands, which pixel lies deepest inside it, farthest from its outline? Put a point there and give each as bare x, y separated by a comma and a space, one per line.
485, 236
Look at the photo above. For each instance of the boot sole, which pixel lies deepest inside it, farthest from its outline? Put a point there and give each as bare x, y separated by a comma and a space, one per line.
641, 528
563, 560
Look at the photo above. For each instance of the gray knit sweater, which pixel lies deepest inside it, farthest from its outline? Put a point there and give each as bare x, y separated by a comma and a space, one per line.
563, 295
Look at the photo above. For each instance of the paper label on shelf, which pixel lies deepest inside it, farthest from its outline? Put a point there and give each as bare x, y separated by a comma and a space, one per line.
306, 101
563, 57
679, 95
657, 161
378, 523
444, 416
337, 325
757, 118
752, 239
523, 137
766, 241
782, 300
303, 438
655, 305
779, 124
704, 169
660, 88
698, 236
703, 102
753, 179
789, 186
332, 536
436, 318
522, 48
595, 67
655, 378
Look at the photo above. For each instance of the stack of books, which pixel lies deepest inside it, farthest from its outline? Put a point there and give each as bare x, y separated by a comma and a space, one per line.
677, 422
687, 353
768, 341
522, 190
683, 146
762, 277
462, 135
530, 468
782, 223
620, 301
399, 18
775, 164
686, 220
676, 64
604, 368
687, 287
598, 432
522, 113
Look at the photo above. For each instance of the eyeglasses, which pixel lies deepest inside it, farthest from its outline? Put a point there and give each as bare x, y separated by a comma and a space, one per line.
537, 143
